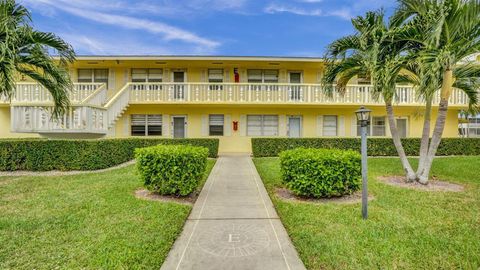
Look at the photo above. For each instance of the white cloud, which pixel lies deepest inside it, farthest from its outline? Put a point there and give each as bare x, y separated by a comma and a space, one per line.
80, 9
343, 13
275, 8
109, 46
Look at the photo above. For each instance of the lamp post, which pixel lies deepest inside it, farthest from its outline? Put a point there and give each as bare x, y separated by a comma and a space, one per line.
363, 116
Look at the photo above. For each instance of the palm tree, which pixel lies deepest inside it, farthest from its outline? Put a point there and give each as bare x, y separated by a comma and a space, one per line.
25, 51
391, 54
370, 51
449, 32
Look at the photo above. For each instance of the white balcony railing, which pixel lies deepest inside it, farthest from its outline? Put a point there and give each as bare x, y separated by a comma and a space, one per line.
91, 113
36, 93
79, 119
269, 94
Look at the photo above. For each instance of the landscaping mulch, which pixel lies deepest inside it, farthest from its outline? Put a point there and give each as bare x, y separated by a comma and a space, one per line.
148, 195
288, 195
433, 185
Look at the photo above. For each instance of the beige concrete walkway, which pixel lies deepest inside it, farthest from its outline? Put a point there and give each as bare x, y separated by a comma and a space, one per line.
233, 225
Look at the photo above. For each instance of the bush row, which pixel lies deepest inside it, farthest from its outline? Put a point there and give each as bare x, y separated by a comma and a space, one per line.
45, 155
271, 147
321, 173
171, 169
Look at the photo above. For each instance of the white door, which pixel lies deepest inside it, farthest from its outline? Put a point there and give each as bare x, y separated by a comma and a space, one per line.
402, 127
179, 123
294, 126
295, 93
179, 87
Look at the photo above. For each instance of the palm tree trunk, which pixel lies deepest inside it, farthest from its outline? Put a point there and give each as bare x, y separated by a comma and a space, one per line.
410, 174
439, 126
424, 144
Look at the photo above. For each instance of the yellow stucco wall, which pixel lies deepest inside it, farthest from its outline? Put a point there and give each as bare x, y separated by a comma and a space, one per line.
238, 142
197, 71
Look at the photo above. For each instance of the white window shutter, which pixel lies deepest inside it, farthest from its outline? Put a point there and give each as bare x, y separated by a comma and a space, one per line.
126, 75
73, 74
126, 125
226, 75
320, 125
354, 125
283, 76
243, 75
204, 124
341, 125
166, 76
227, 125
319, 76
243, 125
203, 75
166, 125
282, 125
111, 79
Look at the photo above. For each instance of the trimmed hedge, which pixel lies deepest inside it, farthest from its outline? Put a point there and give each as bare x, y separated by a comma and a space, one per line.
321, 173
271, 147
171, 169
65, 155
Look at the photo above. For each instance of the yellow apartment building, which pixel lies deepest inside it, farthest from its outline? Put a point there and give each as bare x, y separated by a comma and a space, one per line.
230, 98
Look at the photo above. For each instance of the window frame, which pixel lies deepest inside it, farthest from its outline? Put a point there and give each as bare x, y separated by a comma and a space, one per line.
262, 125
262, 74
331, 126
210, 125
147, 125
370, 130
148, 78
93, 74
214, 83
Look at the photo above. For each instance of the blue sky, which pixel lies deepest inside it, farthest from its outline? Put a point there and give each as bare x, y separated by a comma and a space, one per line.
200, 27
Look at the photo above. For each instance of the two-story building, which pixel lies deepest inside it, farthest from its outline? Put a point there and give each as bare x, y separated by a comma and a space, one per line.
230, 98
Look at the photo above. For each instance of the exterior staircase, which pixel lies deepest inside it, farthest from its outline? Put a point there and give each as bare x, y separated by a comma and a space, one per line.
90, 111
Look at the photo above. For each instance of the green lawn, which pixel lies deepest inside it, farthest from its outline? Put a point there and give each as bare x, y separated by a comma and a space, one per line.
90, 221
407, 229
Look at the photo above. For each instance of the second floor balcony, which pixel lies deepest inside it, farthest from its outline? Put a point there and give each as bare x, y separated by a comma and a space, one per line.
223, 93
251, 93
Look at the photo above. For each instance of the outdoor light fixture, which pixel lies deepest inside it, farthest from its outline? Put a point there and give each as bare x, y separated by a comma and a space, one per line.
363, 116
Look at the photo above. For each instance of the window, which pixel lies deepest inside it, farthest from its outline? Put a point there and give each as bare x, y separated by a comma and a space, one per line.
147, 75
215, 123
255, 76
85, 75
262, 76
474, 126
93, 76
215, 76
376, 128
329, 125
139, 75
262, 125
146, 125
295, 77
270, 76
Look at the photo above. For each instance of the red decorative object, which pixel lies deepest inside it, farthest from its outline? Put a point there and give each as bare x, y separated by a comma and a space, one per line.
237, 75
235, 125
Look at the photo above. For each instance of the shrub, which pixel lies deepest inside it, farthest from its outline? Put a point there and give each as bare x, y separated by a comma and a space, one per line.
321, 173
65, 155
171, 169
271, 147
